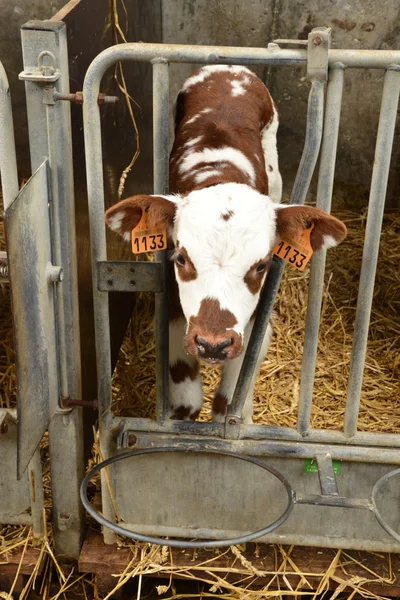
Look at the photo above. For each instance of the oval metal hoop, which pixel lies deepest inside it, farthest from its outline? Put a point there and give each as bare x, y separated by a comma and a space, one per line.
378, 515
174, 543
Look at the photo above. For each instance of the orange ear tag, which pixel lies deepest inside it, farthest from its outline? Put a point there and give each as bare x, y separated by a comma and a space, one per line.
296, 251
147, 240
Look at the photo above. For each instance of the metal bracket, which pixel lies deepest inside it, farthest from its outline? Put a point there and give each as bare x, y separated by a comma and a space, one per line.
232, 427
326, 474
129, 276
42, 73
319, 42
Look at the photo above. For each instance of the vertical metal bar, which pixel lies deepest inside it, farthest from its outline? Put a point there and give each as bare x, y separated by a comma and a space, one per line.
380, 174
65, 429
326, 474
324, 198
308, 160
8, 160
95, 187
57, 251
161, 181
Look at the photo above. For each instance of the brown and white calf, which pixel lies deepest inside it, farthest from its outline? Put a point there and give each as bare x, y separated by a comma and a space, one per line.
224, 219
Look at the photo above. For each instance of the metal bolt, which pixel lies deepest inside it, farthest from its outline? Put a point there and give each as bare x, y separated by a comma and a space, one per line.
317, 40
232, 421
3, 428
68, 402
78, 98
104, 99
54, 273
132, 439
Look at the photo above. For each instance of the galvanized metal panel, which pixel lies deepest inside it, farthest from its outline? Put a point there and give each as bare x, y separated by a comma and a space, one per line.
22, 501
129, 276
211, 496
29, 251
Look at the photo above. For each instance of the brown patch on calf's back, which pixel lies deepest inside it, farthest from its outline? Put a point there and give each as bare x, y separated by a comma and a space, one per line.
182, 370
226, 216
220, 403
233, 121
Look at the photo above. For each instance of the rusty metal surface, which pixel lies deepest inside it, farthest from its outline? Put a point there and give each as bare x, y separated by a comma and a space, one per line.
29, 253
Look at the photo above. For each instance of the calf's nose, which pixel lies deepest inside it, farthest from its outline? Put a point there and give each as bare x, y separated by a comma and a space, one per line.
209, 350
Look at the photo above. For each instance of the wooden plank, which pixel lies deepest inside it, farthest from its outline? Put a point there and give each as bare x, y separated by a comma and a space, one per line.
9, 562
96, 557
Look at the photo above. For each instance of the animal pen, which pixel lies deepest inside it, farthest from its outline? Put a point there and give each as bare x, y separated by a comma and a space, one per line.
300, 484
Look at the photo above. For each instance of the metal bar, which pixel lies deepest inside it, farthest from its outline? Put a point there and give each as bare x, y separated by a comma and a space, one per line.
380, 174
56, 224
336, 501
324, 198
8, 160
271, 448
65, 429
305, 171
273, 55
275, 537
246, 537
315, 115
94, 173
326, 474
256, 432
161, 182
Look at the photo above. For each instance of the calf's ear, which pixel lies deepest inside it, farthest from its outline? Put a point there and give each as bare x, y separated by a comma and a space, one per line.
125, 215
327, 232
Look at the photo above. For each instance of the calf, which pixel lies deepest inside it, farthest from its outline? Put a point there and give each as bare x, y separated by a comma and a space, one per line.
223, 219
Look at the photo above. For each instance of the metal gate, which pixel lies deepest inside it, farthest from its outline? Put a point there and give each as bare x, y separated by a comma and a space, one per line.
272, 497
329, 510
42, 267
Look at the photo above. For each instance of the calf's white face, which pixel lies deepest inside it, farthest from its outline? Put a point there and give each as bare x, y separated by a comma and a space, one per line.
224, 236
223, 240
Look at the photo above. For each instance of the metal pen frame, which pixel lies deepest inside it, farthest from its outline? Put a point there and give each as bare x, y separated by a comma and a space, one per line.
347, 443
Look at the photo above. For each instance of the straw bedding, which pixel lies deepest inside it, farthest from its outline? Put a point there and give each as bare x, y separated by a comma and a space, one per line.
278, 384
276, 400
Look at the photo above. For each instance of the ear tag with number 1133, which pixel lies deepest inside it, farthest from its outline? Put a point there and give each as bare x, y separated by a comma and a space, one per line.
296, 250
145, 239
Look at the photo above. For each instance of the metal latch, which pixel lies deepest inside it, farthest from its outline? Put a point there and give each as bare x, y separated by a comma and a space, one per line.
42, 73
3, 267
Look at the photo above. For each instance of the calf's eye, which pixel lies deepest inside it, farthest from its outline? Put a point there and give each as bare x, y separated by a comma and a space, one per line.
180, 259
261, 267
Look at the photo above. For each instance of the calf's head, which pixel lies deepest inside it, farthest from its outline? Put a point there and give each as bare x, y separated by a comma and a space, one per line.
223, 240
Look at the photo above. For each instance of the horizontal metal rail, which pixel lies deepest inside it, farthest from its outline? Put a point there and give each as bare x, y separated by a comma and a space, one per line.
273, 55
271, 448
261, 433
